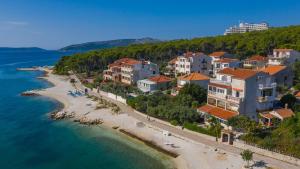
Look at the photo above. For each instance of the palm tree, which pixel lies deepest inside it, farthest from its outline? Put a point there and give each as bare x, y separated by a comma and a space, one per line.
247, 156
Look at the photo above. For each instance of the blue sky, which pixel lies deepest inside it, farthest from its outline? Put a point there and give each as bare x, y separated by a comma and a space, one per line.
53, 24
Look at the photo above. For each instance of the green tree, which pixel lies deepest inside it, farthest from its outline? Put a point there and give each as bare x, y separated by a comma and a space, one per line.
195, 91
247, 156
288, 99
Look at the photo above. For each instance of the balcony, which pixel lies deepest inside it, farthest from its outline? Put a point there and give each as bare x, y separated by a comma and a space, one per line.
262, 99
216, 95
220, 82
234, 99
267, 86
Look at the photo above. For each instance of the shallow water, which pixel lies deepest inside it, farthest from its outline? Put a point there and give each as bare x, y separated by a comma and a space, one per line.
29, 140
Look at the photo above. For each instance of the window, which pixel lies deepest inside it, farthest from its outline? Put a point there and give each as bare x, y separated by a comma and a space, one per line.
221, 104
154, 72
211, 101
226, 65
220, 91
237, 94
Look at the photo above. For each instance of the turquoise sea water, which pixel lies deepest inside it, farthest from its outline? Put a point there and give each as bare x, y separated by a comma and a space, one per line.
29, 140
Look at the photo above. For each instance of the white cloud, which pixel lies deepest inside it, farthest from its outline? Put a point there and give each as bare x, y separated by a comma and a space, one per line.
9, 25
16, 23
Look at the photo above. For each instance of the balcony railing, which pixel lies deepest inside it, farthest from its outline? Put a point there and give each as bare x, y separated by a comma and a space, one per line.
220, 82
234, 99
267, 86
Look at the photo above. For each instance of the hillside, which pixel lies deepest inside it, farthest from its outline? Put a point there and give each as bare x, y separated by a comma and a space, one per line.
242, 45
25, 49
107, 44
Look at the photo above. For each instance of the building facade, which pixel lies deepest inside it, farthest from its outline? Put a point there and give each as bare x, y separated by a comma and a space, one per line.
284, 57
221, 64
129, 71
282, 75
239, 92
255, 62
153, 84
192, 62
247, 27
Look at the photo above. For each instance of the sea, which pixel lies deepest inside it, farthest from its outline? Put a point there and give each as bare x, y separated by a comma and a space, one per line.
30, 140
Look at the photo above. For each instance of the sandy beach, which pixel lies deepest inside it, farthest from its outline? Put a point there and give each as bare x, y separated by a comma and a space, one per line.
192, 154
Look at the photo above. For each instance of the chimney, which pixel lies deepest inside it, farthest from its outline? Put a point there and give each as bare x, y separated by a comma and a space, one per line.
286, 106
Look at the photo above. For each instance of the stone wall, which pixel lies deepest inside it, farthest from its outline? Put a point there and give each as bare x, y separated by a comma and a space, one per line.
289, 159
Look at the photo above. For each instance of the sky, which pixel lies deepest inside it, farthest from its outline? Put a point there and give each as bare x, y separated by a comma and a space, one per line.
53, 24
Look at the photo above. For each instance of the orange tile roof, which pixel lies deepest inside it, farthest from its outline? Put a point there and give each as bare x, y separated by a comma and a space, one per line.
284, 113
239, 73
272, 70
257, 58
219, 85
160, 79
191, 54
217, 112
267, 115
297, 94
173, 61
193, 76
226, 60
283, 50
217, 54
124, 61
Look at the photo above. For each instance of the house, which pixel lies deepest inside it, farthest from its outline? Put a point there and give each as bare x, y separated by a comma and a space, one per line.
223, 63
275, 116
170, 68
237, 91
282, 75
255, 62
215, 56
193, 78
129, 71
284, 57
192, 62
155, 83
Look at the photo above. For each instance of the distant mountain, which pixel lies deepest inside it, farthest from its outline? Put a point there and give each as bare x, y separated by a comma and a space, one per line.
107, 44
23, 49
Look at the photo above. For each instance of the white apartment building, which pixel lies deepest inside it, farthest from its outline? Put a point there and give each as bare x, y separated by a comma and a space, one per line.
247, 27
239, 91
216, 56
192, 62
225, 63
284, 57
129, 71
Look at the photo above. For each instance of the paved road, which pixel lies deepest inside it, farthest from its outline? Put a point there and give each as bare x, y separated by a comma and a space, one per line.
191, 135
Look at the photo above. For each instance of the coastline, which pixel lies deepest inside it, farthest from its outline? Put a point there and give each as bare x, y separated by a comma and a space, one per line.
191, 154
64, 104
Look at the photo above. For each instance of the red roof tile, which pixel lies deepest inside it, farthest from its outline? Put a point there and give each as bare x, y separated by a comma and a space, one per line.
257, 58
284, 113
238, 73
160, 79
274, 69
219, 85
217, 112
227, 60
193, 76
217, 54
124, 61
173, 61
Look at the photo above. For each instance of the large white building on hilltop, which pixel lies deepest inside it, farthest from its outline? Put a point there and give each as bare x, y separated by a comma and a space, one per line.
247, 27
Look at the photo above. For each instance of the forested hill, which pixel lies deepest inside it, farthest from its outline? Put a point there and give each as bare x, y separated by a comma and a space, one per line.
242, 45
107, 44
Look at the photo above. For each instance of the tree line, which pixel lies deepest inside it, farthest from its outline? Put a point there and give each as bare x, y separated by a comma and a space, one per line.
241, 45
